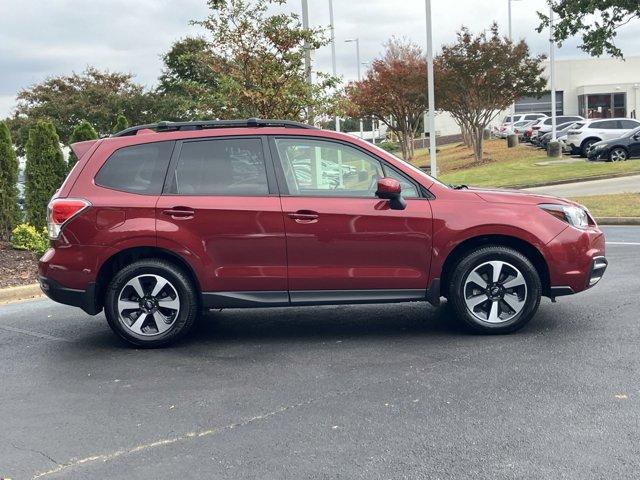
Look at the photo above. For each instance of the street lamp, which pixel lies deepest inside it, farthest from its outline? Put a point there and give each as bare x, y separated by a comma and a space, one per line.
307, 52
552, 75
357, 42
431, 93
333, 52
513, 105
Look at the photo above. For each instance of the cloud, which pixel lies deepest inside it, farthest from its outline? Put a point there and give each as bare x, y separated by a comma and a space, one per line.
43, 38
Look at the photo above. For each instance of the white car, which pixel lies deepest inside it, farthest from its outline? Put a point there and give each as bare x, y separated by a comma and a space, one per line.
544, 125
521, 117
579, 140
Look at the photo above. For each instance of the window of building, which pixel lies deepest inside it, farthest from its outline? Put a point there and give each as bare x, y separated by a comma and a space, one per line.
541, 104
221, 167
603, 105
137, 169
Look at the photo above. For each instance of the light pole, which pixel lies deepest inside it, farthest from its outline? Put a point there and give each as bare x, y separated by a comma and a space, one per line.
552, 75
357, 42
513, 105
307, 52
333, 52
431, 94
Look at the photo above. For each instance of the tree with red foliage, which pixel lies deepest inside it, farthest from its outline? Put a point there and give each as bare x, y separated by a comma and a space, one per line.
481, 75
394, 92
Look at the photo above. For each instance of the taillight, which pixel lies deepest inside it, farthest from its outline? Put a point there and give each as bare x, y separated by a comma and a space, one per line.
62, 210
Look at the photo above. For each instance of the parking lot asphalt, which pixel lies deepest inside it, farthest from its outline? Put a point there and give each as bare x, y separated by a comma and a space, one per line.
630, 184
354, 392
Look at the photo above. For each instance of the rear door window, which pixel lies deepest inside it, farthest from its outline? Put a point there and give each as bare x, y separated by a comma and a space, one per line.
137, 169
628, 124
234, 167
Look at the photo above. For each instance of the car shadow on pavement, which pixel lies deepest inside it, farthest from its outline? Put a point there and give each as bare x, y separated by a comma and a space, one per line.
320, 324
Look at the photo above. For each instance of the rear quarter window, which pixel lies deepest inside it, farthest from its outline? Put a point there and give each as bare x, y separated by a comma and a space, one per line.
137, 169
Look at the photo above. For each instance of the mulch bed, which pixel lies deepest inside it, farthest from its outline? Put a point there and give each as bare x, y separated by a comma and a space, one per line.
17, 267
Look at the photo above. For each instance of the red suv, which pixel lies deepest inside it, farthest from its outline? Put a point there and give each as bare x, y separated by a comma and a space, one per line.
161, 221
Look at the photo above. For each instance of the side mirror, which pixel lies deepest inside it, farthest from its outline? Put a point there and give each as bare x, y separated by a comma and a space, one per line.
389, 189
636, 136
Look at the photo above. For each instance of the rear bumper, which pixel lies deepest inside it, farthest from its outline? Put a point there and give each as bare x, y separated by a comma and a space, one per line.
84, 299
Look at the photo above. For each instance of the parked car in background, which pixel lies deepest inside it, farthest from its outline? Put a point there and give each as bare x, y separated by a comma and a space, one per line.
617, 149
544, 125
160, 222
561, 133
579, 140
520, 127
515, 128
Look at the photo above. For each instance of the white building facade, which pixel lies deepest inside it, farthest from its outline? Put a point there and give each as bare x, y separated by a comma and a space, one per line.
590, 87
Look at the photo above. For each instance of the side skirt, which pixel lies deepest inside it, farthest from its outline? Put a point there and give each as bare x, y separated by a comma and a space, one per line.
309, 297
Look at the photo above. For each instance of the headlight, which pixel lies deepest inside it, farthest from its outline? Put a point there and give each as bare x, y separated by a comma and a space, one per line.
575, 216
600, 147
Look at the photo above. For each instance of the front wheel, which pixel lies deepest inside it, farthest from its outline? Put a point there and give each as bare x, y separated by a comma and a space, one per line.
151, 303
495, 289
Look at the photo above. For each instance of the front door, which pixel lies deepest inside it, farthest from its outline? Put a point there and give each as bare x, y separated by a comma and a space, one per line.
343, 241
221, 209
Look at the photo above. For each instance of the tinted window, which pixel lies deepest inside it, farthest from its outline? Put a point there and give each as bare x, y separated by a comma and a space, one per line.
221, 167
137, 169
628, 124
324, 168
605, 124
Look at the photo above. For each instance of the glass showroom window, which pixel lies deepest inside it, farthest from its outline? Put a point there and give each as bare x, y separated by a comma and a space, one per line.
603, 105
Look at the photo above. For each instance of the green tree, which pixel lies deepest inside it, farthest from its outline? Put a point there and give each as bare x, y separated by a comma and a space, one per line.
121, 124
83, 131
256, 59
44, 172
93, 95
480, 75
597, 21
9, 212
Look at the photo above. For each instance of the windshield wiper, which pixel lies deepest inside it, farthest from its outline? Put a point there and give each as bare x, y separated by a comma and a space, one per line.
459, 187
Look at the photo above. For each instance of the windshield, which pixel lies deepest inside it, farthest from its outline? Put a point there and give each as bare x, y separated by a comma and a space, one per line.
413, 168
631, 133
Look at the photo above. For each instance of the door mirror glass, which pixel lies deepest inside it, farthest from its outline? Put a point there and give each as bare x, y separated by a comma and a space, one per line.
390, 189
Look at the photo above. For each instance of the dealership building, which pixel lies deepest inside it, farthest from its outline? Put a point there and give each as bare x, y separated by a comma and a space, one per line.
590, 87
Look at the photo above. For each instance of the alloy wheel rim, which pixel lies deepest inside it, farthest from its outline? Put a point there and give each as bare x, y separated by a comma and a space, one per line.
618, 155
148, 305
495, 292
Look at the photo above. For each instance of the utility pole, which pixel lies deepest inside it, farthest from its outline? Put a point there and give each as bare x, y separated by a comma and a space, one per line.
431, 94
333, 52
307, 53
552, 75
513, 105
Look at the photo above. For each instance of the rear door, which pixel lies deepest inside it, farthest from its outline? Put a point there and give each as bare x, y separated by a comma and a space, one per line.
341, 238
220, 210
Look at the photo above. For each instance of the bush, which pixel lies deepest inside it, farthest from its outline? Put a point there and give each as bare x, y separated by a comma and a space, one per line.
391, 147
44, 172
121, 124
27, 237
9, 212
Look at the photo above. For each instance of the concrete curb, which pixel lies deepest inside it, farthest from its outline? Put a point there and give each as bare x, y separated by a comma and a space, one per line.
22, 292
618, 220
579, 180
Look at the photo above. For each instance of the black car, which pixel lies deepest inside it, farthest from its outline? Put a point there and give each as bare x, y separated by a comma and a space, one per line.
617, 149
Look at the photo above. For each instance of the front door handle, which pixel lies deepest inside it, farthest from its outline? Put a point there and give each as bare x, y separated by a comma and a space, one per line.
304, 216
179, 212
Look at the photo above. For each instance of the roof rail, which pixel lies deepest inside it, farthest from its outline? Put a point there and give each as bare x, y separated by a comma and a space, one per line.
205, 124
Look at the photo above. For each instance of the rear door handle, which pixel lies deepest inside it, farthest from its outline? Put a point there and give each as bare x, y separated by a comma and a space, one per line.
179, 212
304, 216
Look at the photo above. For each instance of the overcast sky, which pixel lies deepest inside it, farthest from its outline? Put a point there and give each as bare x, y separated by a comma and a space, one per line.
39, 38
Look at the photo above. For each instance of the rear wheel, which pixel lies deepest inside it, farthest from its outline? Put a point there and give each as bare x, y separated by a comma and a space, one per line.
151, 303
618, 154
495, 290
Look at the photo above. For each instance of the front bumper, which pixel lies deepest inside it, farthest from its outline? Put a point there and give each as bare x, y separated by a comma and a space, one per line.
601, 154
85, 299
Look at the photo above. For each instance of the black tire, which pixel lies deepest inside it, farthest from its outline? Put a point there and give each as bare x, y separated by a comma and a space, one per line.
476, 259
179, 282
618, 154
584, 148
